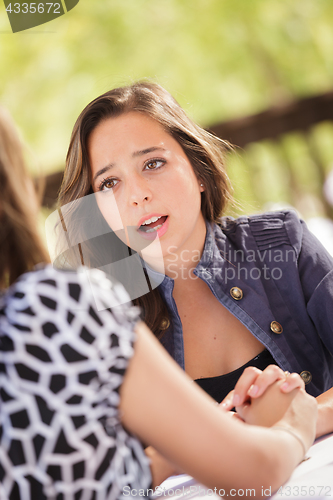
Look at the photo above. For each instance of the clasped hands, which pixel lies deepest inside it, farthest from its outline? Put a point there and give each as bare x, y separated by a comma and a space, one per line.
262, 397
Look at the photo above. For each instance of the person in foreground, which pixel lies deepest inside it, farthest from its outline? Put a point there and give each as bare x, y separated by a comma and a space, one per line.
253, 291
82, 388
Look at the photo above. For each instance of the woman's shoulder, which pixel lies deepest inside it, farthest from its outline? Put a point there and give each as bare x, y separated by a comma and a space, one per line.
269, 220
84, 290
267, 229
69, 315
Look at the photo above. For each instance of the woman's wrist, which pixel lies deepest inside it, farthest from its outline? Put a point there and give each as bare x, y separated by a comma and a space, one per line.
325, 415
295, 435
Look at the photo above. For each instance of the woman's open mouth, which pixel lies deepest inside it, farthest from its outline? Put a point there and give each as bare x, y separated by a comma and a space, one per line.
153, 224
156, 225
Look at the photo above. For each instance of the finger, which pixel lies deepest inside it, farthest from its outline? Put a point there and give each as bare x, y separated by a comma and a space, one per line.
227, 403
236, 416
245, 381
292, 381
270, 375
242, 411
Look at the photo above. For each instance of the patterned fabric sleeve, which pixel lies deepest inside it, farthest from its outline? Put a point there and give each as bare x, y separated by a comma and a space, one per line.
62, 363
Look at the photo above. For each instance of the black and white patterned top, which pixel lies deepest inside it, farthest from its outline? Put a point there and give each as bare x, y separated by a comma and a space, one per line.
62, 363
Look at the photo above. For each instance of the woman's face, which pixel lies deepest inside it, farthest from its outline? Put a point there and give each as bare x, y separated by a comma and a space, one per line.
145, 183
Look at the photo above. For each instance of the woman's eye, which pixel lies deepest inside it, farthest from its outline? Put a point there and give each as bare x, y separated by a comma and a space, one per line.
154, 164
108, 184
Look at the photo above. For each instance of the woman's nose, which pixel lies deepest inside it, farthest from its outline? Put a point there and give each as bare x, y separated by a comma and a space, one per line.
139, 191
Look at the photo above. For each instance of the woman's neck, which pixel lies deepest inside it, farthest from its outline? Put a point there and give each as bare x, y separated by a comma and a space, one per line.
180, 264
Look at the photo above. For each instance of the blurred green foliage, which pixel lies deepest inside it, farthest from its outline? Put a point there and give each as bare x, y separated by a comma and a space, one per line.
220, 58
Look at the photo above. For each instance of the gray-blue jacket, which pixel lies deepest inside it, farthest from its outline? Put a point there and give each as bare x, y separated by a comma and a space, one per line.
277, 279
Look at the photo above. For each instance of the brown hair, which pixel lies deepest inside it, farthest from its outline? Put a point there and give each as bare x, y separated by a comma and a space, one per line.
20, 244
204, 151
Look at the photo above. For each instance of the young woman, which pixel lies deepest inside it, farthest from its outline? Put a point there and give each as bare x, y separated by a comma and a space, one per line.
252, 291
76, 387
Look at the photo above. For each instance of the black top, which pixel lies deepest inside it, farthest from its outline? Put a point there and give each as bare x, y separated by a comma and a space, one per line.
219, 387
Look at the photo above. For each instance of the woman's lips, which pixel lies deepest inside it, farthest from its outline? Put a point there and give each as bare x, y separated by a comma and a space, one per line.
156, 223
157, 228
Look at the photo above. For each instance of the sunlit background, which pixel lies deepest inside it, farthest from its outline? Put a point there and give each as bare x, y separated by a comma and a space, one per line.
221, 59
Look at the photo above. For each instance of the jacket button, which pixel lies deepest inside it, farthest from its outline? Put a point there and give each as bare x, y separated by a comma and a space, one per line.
276, 327
306, 376
236, 293
165, 323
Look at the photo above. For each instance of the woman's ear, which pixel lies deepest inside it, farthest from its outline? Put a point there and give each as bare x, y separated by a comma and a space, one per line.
202, 187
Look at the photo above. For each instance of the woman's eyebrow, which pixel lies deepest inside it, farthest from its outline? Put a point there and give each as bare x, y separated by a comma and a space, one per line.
148, 150
136, 153
102, 171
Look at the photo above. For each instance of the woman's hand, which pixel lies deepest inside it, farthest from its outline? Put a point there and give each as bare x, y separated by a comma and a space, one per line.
301, 418
262, 397
268, 408
254, 382
325, 413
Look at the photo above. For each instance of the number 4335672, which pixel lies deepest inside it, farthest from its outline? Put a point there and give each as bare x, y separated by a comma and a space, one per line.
34, 8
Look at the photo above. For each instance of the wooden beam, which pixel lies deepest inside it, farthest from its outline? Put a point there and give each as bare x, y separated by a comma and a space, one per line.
276, 121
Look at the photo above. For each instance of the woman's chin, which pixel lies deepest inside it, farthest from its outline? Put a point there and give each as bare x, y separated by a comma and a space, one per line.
153, 255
